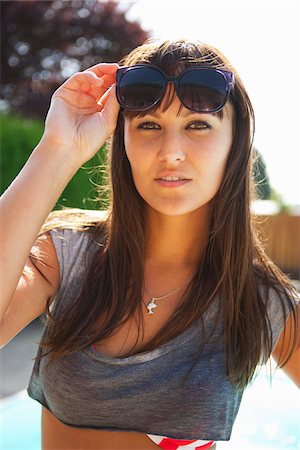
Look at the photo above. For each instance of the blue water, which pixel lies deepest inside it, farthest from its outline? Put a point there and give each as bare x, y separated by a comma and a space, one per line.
20, 423
269, 419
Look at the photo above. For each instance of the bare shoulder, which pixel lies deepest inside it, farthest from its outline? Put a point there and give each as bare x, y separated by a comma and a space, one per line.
39, 282
75, 218
289, 343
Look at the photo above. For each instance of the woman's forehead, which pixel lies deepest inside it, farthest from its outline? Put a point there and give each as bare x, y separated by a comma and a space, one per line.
177, 109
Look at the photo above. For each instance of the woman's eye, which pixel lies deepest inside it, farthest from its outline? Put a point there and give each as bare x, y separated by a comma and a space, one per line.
199, 125
148, 126
196, 125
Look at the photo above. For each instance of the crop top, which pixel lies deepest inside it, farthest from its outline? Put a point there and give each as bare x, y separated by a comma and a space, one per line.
158, 392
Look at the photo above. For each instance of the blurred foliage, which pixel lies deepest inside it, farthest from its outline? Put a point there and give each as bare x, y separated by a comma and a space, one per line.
261, 178
17, 139
44, 42
284, 208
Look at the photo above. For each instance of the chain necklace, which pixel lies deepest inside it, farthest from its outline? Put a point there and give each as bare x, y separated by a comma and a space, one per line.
151, 305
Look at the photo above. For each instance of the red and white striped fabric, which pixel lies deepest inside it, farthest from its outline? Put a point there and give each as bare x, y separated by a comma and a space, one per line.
179, 444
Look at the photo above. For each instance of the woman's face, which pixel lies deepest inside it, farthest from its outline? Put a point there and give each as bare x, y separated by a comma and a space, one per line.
178, 159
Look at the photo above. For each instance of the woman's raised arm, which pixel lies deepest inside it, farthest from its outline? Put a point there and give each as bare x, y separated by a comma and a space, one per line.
76, 126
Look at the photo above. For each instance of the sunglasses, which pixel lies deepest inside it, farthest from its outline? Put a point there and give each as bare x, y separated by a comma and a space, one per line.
200, 89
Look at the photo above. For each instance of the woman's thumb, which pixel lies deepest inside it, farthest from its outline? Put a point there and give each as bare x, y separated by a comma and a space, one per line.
111, 108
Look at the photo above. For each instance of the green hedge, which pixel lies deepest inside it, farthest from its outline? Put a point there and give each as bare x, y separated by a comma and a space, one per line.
19, 136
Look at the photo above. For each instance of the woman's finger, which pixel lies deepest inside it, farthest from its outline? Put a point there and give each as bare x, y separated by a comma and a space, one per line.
94, 82
84, 104
81, 81
88, 83
103, 69
111, 110
104, 97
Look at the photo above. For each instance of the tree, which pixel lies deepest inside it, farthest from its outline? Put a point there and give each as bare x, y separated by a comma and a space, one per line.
45, 42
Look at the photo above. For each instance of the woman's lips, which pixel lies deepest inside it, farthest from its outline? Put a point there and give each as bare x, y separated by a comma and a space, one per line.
172, 182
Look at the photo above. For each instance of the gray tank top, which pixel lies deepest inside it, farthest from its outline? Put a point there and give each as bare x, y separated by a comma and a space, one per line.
158, 392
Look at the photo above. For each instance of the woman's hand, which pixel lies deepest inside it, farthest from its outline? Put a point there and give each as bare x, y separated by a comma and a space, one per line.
83, 112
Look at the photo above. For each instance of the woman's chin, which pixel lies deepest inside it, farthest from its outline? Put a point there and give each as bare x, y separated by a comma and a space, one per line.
177, 210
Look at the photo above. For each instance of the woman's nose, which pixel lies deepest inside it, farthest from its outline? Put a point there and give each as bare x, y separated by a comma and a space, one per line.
171, 148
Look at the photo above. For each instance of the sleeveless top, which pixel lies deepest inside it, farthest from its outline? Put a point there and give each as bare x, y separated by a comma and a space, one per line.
167, 391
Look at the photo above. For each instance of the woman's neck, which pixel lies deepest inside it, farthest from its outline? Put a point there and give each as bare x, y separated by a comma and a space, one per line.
176, 240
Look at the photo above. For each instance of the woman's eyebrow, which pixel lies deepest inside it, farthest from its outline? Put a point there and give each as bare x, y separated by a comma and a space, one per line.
184, 114
218, 114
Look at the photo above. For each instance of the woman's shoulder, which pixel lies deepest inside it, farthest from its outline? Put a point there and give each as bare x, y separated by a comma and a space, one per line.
280, 299
75, 219
77, 236
76, 233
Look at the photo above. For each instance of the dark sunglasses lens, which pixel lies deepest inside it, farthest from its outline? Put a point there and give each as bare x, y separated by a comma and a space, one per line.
140, 87
203, 90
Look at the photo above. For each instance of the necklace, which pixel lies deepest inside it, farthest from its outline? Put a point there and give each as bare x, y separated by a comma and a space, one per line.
151, 305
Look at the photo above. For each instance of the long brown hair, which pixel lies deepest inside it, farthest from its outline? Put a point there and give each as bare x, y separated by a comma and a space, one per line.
234, 264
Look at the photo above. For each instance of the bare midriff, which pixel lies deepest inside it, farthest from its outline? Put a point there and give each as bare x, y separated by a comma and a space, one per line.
58, 436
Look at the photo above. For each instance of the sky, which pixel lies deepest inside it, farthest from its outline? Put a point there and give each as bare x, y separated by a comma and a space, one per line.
261, 39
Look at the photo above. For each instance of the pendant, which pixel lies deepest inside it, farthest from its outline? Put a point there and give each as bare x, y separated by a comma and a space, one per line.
151, 305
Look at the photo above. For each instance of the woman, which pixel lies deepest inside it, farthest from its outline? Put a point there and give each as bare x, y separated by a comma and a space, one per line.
160, 310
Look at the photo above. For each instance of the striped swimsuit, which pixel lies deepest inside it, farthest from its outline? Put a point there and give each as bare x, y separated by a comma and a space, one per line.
180, 444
